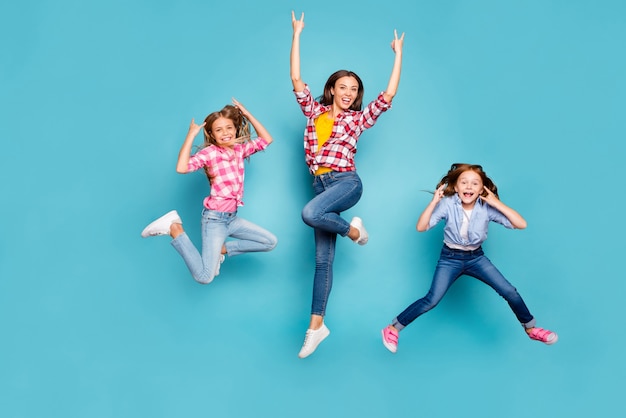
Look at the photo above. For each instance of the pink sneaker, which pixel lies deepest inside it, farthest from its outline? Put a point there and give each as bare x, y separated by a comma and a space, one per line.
543, 335
390, 338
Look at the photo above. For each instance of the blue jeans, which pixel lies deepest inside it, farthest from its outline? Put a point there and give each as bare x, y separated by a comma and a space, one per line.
216, 227
334, 193
454, 263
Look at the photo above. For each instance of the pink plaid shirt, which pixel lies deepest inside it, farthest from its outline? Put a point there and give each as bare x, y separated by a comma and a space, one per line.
338, 152
226, 169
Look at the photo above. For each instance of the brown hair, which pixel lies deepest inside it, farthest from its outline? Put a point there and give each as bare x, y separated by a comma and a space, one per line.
229, 112
327, 98
456, 170
242, 126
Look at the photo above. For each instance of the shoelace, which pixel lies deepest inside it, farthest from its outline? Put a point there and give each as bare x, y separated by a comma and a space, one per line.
307, 338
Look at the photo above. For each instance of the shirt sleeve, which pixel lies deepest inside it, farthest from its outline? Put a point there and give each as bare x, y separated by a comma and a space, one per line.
373, 110
310, 107
254, 146
199, 159
440, 212
498, 217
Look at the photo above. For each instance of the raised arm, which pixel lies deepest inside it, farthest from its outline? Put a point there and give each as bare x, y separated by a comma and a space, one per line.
424, 219
182, 166
258, 127
515, 218
394, 80
298, 25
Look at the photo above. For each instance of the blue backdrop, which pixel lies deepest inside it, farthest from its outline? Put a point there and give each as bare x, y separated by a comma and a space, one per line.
96, 98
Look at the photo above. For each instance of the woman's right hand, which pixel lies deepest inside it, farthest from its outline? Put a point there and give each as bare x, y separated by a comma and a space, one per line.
298, 25
294, 55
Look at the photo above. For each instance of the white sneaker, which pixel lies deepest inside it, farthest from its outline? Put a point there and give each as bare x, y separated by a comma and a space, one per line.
219, 264
162, 225
312, 339
358, 224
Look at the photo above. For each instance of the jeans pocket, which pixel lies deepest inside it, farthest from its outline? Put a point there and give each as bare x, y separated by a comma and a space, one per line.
211, 216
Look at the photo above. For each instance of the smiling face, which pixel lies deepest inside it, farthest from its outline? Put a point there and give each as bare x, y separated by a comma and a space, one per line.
345, 92
469, 186
224, 133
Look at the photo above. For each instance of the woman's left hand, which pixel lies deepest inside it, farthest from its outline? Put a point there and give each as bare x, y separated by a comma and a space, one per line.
396, 44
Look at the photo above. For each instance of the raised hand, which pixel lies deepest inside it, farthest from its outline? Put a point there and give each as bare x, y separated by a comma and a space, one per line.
394, 79
438, 194
298, 25
513, 216
490, 198
396, 44
294, 55
241, 108
194, 128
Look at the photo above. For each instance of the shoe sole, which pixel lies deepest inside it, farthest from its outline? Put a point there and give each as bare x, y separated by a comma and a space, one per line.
556, 338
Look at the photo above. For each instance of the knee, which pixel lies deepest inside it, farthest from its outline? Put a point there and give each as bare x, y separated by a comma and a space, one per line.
311, 215
204, 278
430, 301
509, 293
271, 242
308, 216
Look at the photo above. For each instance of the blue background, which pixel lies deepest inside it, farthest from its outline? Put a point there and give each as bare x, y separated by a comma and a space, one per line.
95, 100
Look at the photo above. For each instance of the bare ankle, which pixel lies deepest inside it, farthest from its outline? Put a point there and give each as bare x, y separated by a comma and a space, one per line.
316, 322
176, 229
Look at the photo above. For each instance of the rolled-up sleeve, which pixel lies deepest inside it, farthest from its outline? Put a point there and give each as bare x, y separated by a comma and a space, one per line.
256, 145
198, 160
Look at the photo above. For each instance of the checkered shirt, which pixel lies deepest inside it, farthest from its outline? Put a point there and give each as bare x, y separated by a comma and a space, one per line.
338, 152
226, 169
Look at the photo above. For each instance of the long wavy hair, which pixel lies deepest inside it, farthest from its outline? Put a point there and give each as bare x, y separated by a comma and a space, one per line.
327, 98
242, 126
456, 170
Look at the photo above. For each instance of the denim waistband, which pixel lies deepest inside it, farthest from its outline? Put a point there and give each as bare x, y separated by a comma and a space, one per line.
477, 251
333, 173
218, 214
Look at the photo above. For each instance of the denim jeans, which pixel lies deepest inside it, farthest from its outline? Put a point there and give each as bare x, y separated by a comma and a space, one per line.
216, 227
454, 263
334, 193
